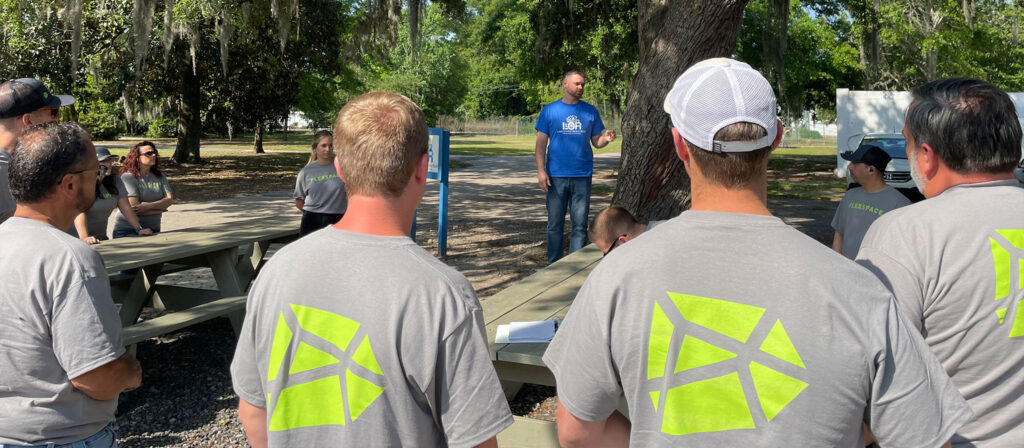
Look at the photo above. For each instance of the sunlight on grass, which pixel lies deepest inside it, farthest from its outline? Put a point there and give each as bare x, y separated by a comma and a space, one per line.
807, 151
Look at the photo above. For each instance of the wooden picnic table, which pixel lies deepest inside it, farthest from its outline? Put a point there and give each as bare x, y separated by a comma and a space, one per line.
546, 294
233, 251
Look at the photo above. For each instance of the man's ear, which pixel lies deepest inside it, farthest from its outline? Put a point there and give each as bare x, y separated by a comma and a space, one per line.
928, 161
682, 150
420, 173
337, 167
779, 131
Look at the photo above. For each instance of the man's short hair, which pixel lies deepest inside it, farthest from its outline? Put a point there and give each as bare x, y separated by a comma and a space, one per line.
45, 153
733, 169
610, 223
378, 138
573, 71
971, 124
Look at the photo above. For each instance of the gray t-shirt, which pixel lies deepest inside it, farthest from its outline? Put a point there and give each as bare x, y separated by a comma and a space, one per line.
148, 188
858, 210
955, 263
7, 203
725, 329
362, 340
321, 190
97, 216
57, 322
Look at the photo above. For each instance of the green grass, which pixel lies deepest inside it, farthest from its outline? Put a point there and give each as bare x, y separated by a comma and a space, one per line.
806, 151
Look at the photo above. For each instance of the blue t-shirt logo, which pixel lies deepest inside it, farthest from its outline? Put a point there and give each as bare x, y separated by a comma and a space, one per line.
569, 128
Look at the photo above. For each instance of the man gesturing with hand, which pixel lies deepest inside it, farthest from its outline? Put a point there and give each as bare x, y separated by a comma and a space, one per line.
565, 166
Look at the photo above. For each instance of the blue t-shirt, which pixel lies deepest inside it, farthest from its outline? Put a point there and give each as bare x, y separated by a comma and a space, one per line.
569, 128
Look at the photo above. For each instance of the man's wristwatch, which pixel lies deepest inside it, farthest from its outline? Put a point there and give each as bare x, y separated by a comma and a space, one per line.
138, 229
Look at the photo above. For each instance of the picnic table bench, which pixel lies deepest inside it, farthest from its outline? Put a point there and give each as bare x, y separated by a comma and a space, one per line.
546, 294
233, 251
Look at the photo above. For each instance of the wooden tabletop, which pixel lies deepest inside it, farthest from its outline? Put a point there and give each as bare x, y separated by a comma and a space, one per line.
547, 293
130, 253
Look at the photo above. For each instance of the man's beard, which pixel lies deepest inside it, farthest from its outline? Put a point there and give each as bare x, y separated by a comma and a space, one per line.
919, 180
85, 200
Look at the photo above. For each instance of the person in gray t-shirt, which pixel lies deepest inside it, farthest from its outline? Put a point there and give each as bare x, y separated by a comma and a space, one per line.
91, 226
63, 360
319, 192
726, 327
24, 102
147, 189
354, 335
862, 205
955, 261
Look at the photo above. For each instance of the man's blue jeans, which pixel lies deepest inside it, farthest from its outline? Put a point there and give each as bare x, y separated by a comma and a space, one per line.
103, 439
572, 193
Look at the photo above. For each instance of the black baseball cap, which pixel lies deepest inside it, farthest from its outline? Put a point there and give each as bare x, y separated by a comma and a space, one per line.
21, 96
869, 154
102, 153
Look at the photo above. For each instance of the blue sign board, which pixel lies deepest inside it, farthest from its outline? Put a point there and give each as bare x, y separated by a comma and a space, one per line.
437, 168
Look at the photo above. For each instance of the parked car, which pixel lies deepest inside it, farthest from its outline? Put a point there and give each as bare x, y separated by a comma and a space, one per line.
897, 173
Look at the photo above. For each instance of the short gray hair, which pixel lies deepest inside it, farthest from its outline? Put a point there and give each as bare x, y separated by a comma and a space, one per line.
971, 124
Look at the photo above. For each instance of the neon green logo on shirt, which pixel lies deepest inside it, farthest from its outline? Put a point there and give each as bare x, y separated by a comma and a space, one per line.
717, 403
311, 397
1004, 258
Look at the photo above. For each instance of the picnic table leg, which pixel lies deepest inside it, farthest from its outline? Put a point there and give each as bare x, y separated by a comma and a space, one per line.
225, 270
249, 263
139, 292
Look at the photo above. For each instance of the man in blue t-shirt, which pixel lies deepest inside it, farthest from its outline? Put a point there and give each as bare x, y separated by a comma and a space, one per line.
564, 167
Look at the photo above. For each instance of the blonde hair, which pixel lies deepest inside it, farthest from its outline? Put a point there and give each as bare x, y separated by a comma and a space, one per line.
610, 223
379, 137
733, 169
316, 141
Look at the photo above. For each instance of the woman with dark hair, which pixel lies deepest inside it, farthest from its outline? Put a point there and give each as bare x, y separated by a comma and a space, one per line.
319, 192
147, 189
91, 225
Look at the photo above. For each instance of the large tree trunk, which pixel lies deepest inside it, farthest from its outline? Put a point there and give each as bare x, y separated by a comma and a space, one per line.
257, 141
190, 127
673, 35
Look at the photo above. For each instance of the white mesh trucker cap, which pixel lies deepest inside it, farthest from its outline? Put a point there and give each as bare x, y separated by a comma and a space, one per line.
716, 93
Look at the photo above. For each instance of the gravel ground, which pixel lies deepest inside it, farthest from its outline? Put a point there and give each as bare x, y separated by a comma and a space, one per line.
495, 238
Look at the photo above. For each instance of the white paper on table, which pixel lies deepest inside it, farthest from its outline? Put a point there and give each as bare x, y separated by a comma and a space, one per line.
525, 332
501, 335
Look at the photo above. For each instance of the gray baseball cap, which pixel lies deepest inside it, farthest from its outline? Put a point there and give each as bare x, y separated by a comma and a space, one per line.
21, 96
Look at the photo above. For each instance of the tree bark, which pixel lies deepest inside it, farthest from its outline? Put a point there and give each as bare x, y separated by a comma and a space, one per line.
257, 144
190, 127
414, 24
673, 35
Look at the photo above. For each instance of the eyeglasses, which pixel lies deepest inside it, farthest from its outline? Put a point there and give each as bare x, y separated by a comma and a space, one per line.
614, 243
150, 153
97, 171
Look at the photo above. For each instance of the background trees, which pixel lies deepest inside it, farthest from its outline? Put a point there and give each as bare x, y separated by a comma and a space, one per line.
189, 68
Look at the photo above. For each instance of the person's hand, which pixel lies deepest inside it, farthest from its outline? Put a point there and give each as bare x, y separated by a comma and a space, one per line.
609, 135
91, 240
136, 370
145, 232
138, 208
543, 180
